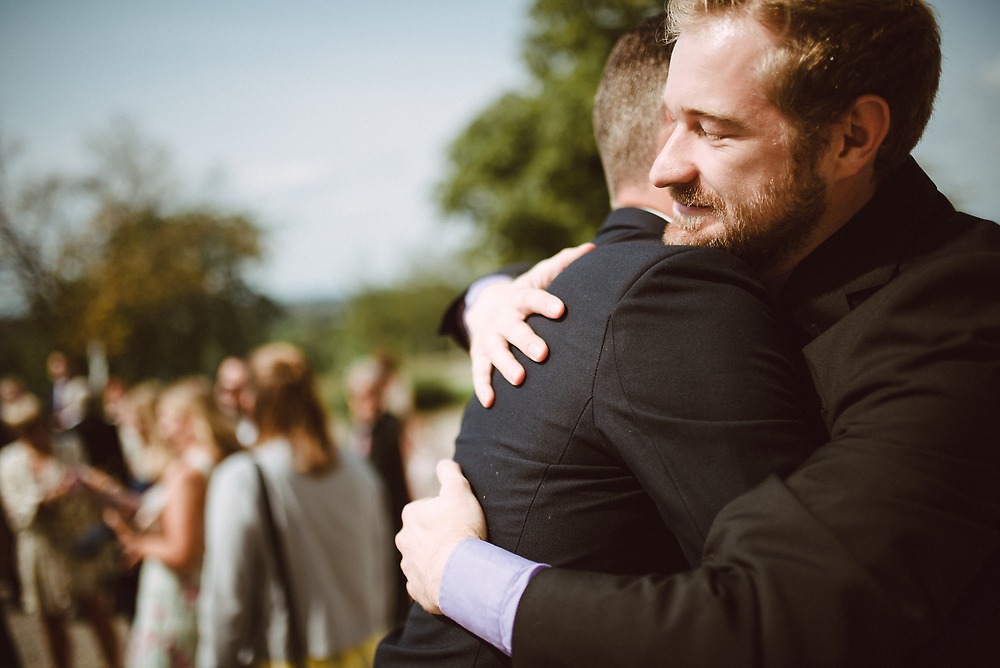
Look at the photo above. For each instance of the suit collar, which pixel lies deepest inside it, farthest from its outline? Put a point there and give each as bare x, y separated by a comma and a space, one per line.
629, 224
866, 253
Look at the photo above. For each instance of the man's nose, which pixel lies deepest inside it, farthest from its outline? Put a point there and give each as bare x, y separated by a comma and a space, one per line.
673, 165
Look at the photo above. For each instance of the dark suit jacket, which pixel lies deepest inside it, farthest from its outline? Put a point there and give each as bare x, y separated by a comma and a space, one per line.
883, 548
667, 393
627, 224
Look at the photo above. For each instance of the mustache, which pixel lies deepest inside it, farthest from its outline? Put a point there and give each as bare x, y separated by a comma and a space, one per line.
693, 195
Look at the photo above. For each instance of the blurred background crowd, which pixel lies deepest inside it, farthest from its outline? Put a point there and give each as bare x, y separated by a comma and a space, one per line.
104, 487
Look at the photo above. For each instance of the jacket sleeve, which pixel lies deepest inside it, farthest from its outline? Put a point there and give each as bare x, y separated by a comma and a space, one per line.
883, 548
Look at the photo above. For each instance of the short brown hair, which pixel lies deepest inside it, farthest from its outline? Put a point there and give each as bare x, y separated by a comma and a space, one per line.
830, 52
628, 107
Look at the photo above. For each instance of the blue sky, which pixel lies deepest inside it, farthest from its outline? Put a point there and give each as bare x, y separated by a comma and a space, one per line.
329, 121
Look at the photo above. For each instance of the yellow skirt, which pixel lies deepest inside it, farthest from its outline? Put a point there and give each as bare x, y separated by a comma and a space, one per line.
359, 656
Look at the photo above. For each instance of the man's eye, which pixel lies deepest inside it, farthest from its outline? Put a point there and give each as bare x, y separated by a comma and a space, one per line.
707, 134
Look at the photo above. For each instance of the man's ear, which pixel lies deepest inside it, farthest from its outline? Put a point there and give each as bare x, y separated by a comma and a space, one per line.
860, 133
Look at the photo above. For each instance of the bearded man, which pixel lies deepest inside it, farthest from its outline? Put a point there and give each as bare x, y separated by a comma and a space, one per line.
790, 128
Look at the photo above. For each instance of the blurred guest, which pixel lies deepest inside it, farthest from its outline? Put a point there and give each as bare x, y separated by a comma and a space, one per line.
102, 449
78, 422
233, 398
145, 453
296, 552
69, 391
11, 390
113, 398
100, 442
86, 431
397, 395
50, 510
132, 411
167, 531
378, 435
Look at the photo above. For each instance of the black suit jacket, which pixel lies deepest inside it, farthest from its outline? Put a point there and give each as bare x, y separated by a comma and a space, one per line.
883, 548
627, 224
667, 393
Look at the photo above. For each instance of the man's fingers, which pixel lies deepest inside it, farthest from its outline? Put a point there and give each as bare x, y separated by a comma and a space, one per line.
499, 356
542, 273
482, 379
521, 336
536, 300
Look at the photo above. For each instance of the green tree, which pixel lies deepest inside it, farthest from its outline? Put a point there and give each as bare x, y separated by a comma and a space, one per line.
526, 171
400, 319
168, 296
113, 257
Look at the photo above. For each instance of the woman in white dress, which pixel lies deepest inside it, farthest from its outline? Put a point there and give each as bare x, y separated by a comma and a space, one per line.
167, 532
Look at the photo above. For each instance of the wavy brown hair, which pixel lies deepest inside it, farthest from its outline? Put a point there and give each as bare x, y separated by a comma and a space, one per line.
287, 405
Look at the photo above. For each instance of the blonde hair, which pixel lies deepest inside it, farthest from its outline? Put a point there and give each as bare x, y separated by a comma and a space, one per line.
287, 405
193, 396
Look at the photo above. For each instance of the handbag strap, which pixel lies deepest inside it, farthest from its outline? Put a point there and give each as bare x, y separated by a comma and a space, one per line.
296, 653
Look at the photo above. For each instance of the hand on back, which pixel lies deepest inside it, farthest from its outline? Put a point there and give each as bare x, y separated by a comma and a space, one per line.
496, 320
432, 527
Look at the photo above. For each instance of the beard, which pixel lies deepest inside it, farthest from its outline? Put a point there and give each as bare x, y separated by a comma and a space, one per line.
764, 228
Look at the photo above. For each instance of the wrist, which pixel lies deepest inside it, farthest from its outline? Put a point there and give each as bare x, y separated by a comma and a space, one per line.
481, 586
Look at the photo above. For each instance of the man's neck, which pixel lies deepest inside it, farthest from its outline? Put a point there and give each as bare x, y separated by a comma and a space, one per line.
847, 199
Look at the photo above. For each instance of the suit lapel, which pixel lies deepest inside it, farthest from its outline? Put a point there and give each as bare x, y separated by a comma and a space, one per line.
864, 255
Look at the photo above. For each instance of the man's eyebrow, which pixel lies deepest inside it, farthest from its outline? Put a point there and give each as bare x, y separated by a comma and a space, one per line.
715, 117
721, 119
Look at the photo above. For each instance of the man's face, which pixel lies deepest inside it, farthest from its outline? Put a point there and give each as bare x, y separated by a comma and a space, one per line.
230, 385
728, 162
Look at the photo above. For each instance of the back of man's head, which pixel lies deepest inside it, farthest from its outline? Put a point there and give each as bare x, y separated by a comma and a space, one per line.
628, 107
828, 53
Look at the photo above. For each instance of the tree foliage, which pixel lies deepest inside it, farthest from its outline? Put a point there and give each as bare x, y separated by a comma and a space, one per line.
402, 320
526, 170
110, 257
169, 294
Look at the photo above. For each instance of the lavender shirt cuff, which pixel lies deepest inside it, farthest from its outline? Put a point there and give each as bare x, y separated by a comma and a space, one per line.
481, 587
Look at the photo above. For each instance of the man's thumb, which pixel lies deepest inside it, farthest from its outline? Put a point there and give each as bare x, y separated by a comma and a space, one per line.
449, 474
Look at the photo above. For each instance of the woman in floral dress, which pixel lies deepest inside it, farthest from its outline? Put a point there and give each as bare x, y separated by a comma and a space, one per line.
51, 511
167, 532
